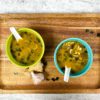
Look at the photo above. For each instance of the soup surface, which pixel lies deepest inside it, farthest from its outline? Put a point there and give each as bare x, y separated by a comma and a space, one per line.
27, 50
72, 54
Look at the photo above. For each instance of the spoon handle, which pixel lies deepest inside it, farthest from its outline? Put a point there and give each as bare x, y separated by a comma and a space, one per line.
15, 33
67, 74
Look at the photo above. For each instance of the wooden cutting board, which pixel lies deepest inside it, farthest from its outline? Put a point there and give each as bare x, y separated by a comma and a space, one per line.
53, 28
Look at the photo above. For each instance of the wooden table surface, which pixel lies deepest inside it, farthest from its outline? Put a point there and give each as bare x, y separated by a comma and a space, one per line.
53, 28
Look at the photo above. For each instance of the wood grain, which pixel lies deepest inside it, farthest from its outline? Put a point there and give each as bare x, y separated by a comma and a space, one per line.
53, 28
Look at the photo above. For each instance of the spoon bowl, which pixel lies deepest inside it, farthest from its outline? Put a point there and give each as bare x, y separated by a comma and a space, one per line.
67, 74
8, 45
89, 52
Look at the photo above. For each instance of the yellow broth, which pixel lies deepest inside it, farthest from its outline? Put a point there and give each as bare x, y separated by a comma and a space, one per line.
72, 54
27, 50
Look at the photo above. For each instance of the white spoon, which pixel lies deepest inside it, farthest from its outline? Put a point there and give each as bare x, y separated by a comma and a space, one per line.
15, 33
67, 74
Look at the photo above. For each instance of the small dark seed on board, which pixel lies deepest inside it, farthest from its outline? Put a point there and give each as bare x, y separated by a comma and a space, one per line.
98, 34
91, 32
57, 78
87, 30
47, 79
53, 79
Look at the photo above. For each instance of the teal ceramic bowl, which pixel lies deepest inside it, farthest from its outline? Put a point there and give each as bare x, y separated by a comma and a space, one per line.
90, 57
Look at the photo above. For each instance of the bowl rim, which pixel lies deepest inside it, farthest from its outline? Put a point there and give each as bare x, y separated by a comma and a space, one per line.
8, 43
90, 57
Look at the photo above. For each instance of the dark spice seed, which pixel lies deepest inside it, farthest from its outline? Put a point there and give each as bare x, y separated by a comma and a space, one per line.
91, 32
53, 79
57, 78
98, 34
47, 79
87, 30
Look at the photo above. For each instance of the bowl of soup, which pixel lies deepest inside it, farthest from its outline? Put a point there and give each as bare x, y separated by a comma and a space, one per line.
74, 53
28, 51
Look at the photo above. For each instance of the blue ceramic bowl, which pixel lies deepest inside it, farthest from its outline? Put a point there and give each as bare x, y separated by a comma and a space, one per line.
90, 57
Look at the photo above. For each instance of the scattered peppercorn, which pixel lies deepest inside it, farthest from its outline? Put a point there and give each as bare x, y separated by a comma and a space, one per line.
91, 32
57, 78
87, 30
47, 79
98, 34
53, 79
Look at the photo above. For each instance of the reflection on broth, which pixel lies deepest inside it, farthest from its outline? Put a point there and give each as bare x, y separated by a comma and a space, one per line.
26, 50
72, 54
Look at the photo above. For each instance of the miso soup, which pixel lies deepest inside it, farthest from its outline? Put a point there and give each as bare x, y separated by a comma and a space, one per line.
72, 54
27, 50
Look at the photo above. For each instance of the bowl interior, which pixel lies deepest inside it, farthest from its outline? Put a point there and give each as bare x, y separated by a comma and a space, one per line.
8, 44
89, 62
